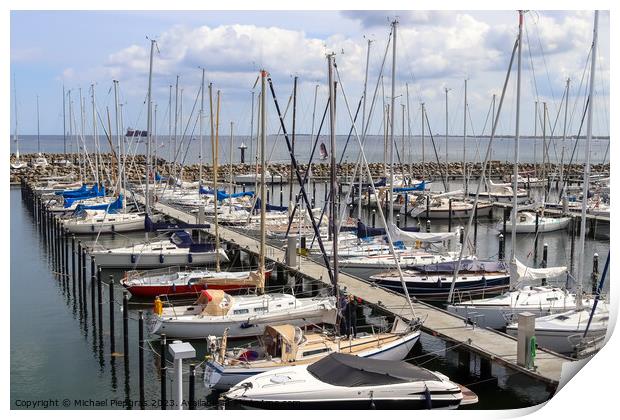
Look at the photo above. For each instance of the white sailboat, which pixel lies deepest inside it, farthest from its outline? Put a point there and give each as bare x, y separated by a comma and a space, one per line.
527, 223
17, 163
497, 312
563, 332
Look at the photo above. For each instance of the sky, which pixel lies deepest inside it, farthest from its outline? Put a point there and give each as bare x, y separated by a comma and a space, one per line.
435, 50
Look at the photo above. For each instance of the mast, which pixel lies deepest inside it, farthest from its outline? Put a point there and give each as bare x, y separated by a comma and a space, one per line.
63, 123
545, 152
202, 106
148, 138
214, 141
516, 155
95, 139
64, 127
535, 138
586, 172
290, 184
392, 109
359, 204
423, 164
333, 179
176, 121
446, 90
465, 140
409, 159
252, 125
118, 139
15, 136
230, 170
263, 193
564, 138
170, 127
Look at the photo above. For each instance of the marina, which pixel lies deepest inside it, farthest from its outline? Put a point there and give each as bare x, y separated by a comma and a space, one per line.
344, 272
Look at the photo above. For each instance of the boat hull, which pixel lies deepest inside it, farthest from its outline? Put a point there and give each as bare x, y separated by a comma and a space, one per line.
109, 259
225, 377
112, 227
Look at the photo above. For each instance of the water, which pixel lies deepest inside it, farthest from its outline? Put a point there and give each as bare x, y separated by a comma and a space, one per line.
58, 353
503, 149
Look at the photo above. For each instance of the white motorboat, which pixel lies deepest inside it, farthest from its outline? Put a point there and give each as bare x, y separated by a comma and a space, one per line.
563, 332
157, 254
501, 193
285, 345
343, 381
100, 221
526, 223
243, 316
40, 161
251, 178
440, 208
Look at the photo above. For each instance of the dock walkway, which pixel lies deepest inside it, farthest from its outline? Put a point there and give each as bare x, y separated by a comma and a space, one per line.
490, 344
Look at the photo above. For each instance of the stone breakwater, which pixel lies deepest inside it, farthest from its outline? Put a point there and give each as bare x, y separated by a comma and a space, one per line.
136, 169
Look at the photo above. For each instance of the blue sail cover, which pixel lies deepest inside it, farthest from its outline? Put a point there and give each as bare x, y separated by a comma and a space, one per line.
95, 191
182, 239
418, 187
467, 266
203, 190
221, 195
111, 208
69, 193
158, 177
151, 226
269, 207
364, 231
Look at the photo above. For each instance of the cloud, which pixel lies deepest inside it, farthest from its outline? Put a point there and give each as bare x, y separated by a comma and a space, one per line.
377, 18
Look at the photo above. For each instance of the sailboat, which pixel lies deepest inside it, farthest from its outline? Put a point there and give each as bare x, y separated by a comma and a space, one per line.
286, 345
563, 332
243, 316
440, 206
497, 312
17, 163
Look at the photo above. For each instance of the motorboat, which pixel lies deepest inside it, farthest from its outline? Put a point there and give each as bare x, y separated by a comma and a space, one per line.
173, 280
286, 345
344, 381
243, 316
442, 207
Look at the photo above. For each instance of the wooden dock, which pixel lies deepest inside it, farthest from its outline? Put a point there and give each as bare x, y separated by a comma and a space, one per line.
487, 343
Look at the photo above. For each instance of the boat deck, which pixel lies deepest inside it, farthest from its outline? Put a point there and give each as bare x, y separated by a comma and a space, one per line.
496, 346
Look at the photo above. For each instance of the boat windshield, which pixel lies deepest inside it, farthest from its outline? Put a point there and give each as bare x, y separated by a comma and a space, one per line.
340, 369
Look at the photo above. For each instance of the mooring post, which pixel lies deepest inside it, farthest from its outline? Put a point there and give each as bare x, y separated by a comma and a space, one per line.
84, 281
406, 211
111, 306
192, 385
502, 244
428, 225
100, 298
398, 220
66, 253
449, 215
374, 217
543, 263
572, 243
536, 239
79, 272
141, 358
525, 333
506, 215
595, 273
126, 326
93, 280
162, 370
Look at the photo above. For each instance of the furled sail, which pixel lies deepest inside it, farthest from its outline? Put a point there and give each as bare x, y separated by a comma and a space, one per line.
401, 235
526, 273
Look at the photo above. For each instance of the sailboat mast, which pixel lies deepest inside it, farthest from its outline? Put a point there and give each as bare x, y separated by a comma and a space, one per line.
290, 184
359, 204
214, 146
63, 123
230, 170
446, 90
564, 137
392, 110
16, 137
95, 141
516, 155
333, 178
202, 106
586, 172
176, 121
409, 158
423, 164
148, 134
263, 192
170, 126
465, 139
118, 139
